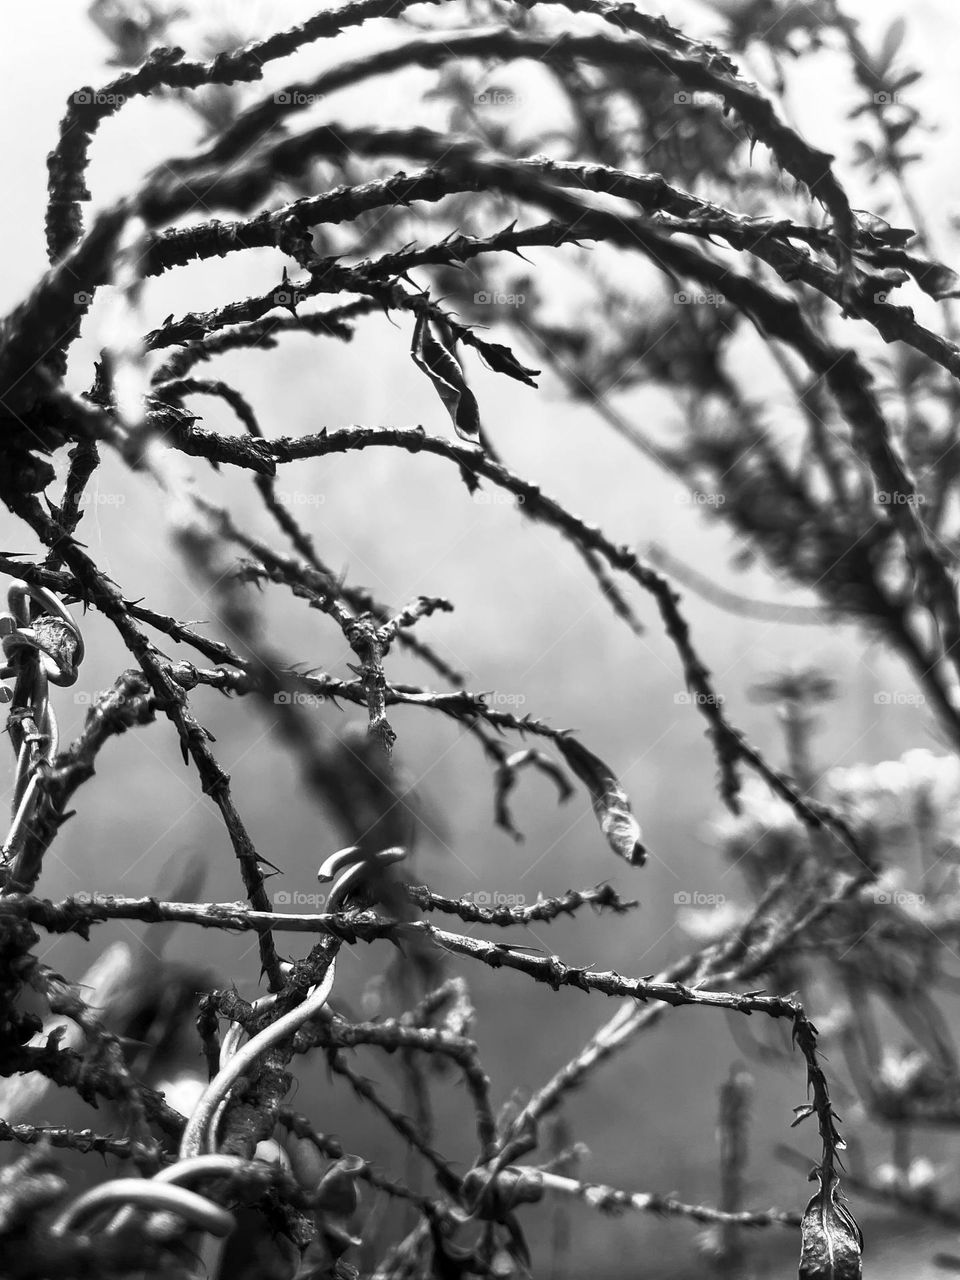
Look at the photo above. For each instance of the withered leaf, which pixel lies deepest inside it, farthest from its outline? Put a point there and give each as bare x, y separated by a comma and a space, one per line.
610, 802
934, 278
832, 1245
336, 1191
443, 370
878, 230
502, 360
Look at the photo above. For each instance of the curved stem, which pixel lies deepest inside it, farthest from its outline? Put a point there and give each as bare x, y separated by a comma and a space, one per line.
219, 1087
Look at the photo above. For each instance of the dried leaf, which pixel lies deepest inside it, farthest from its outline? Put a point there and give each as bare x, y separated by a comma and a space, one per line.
832, 1244
470, 479
875, 228
502, 360
904, 81
443, 370
610, 802
891, 45
934, 278
336, 1193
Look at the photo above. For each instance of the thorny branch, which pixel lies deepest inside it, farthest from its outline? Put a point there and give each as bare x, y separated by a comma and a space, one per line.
798, 275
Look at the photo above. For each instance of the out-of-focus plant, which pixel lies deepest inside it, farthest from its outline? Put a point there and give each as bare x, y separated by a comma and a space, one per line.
815, 416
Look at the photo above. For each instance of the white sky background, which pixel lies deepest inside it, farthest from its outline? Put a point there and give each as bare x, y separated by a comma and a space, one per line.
553, 641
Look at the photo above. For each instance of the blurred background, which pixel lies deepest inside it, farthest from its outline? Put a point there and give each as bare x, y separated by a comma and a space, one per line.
529, 623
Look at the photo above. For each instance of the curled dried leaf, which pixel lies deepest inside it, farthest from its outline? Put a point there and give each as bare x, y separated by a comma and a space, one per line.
337, 1192
934, 278
801, 1113
611, 803
502, 360
443, 370
832, 1245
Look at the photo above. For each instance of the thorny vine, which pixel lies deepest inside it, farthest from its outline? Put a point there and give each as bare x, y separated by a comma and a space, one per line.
883, 556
